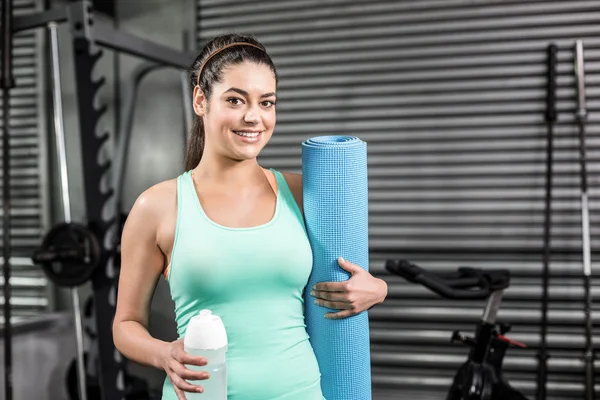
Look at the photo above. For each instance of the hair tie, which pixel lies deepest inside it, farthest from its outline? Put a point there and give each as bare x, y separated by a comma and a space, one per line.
220, 50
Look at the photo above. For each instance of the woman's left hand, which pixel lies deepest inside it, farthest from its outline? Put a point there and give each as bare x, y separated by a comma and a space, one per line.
359, 293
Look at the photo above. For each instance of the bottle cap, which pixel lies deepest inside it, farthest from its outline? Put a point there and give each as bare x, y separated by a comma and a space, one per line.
205, 331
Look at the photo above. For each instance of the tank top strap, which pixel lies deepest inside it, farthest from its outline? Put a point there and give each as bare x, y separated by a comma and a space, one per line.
183, 204
185, 194
287, 196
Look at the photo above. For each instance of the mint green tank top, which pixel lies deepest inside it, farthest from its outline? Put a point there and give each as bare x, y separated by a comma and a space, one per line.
253, 278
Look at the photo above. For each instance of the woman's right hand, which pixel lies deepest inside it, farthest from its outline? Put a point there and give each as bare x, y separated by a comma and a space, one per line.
173, 361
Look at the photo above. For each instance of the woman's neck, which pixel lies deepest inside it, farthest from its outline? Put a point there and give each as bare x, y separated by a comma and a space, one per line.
223, 171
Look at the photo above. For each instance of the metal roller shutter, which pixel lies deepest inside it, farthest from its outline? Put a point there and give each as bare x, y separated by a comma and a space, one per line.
450, 97
30, 292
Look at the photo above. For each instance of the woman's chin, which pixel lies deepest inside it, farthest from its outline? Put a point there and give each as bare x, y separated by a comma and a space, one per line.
248, 152
245, 155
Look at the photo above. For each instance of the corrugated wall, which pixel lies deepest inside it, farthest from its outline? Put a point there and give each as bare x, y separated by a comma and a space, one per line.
28, 168
450, 96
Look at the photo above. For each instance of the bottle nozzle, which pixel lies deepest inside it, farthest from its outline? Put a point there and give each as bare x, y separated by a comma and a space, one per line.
205, 313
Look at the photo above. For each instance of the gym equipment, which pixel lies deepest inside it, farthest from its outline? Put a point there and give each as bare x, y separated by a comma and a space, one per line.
8, 82
581, 117
92, 390
90, 32
336, 213
123, 140
69, 254
135, 388
550, 118
480, 377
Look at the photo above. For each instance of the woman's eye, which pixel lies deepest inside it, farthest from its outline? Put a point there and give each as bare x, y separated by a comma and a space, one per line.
234, 101
268, 103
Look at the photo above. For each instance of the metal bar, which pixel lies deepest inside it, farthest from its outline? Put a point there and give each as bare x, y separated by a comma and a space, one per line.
59, 131
59, 134
104, 34
7, 82
40, 19
81, 378
124, 138
510, 252
188, 112
111, 367
492, 306
550, 118
581, 116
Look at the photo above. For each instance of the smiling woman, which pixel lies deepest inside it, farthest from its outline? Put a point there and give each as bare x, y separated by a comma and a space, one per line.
229, 236
241, 74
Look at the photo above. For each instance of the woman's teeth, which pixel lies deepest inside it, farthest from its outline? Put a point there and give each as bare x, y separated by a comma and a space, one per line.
247, 134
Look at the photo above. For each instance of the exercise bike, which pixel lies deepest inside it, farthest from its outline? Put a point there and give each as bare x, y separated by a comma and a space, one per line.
480, 376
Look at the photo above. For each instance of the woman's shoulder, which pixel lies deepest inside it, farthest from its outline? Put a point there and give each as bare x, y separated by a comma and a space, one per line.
292, 177
152, 202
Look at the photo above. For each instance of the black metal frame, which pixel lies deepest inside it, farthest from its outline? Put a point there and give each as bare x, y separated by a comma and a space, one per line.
480, 376
89, 33
7, 82
101, 32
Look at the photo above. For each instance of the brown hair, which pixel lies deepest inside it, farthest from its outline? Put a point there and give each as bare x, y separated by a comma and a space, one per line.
207, 69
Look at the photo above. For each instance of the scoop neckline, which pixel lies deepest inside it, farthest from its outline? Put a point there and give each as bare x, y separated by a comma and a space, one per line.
231, 228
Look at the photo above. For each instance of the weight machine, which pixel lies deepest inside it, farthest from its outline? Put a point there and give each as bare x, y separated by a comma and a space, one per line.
73, 253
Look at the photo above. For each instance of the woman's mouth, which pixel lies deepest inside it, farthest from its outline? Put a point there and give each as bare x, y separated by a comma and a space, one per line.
248, 136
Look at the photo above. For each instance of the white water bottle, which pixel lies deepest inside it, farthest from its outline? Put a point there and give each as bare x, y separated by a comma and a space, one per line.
206, 337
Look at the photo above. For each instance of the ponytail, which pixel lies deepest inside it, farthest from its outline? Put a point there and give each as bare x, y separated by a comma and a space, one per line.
195, 145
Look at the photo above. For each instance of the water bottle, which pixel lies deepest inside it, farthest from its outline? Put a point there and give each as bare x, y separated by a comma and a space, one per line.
206, 337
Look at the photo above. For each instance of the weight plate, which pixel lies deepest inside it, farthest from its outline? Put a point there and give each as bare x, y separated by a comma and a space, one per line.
69, 254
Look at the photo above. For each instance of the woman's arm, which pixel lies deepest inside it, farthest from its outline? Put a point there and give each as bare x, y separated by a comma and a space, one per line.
359, 293
142, 263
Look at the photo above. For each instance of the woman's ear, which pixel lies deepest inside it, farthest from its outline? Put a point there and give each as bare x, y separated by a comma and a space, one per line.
199, 102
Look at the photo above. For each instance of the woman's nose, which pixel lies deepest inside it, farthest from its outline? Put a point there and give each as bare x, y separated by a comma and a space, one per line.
250, 116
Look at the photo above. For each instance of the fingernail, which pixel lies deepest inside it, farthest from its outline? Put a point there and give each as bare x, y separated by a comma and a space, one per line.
317, 302
312, 292
199, 390
314, 287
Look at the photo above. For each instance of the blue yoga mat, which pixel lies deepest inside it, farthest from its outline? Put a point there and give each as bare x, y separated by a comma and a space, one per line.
335, 196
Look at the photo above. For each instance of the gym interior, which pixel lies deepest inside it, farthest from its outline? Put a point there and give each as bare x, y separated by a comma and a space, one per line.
483, 128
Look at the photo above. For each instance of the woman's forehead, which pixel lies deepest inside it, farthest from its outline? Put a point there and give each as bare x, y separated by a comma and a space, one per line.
249, 76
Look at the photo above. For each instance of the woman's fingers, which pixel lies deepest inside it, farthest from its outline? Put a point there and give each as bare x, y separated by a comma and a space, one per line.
185, 358
188, 374
179, 374
191, 375
330, 296
341, 286
182, 385
340, 314
335, 305
178, 392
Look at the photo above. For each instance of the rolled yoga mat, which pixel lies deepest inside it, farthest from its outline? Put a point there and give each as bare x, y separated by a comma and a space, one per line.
335, 196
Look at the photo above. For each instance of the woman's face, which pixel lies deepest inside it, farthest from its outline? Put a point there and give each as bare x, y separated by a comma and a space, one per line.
240, 116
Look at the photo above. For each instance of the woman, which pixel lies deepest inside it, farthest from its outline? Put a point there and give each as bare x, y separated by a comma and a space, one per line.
228, 235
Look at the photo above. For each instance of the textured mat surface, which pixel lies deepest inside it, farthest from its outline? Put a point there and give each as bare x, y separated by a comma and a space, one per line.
335, 197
